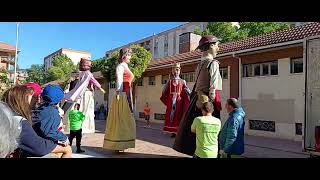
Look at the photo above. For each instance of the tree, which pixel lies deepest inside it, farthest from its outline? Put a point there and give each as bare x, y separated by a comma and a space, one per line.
138, 63
61, 69
228, 32
98, 64
257, 28
4, 78
36, 74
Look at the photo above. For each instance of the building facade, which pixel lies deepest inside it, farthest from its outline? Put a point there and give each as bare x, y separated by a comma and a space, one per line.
74, 55
266, 73
21, 75
7, 55
173, 41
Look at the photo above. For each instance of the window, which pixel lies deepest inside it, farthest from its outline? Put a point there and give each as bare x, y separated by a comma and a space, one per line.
166, 45
158, 116
262, 125
247, 70
164, 79
174, 45
296, 65
155, 51
140, 82
274, 68
261, 69
147, 43
257, 70
265, 69
141, 115
298, 128
224, 73
112, 85
152, 80
184, 38
188, 77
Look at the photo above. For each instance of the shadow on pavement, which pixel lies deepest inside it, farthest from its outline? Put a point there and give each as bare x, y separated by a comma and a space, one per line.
111, 154
152, 135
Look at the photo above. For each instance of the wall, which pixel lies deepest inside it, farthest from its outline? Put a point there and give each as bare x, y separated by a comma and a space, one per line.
224, 95
171, 42
150, 94
75, 57
277, 98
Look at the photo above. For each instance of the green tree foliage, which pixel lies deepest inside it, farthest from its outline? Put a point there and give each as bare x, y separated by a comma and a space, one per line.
227, 32
36, 74
138, 64
257, 28
61, 69
98, 64
4, 78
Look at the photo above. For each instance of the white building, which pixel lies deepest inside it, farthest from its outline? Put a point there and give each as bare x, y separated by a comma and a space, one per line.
173, 41
74, 55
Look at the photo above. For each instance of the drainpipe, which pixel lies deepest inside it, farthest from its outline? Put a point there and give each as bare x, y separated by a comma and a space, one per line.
240, 77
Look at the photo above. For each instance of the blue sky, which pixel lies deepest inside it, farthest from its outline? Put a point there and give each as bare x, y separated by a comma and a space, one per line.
39, 39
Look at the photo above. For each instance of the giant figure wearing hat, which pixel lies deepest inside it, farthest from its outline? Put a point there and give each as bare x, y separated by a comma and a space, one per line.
175, 96
207, 86
83, 94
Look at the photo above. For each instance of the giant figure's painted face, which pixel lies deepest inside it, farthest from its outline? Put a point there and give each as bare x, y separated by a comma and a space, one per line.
85, 65
211, 48
176, 72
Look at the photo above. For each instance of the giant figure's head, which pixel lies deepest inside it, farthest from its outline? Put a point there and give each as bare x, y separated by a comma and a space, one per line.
176, 68
208, 44
125, 55
85, 64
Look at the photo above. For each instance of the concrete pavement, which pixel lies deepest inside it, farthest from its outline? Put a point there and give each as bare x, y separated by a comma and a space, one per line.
153, 143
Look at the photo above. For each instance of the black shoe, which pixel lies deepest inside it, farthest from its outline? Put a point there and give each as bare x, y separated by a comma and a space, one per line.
80, 151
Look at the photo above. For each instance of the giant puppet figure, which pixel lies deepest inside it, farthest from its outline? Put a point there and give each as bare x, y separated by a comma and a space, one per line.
83, 94
175, 96
206, 88
121, 126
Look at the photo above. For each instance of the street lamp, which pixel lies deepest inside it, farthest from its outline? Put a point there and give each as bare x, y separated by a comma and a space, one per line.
16, 57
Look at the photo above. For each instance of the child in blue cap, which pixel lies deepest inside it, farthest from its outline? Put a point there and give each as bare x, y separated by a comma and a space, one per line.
46, 118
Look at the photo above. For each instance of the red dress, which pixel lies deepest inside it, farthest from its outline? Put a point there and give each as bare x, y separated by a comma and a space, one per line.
175, 96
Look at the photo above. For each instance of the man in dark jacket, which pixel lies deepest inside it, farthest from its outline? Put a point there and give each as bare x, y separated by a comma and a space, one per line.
231, 141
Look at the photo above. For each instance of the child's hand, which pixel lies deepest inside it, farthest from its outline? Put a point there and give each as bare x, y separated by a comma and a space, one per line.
64, 143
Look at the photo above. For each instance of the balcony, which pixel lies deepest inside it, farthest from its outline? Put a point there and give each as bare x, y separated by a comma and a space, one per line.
7, 60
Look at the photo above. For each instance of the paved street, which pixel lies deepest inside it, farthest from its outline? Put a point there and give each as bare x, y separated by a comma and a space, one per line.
152, 143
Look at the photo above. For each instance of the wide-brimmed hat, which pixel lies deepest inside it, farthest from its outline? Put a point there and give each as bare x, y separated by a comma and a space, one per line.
207, 39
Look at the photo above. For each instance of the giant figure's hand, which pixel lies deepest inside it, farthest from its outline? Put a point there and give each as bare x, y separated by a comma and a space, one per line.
212, 96
103, 91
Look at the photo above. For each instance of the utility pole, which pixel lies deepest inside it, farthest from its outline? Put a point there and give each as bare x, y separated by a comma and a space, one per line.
16, 57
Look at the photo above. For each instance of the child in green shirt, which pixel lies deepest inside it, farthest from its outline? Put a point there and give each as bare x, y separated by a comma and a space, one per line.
75, 120
207, 129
